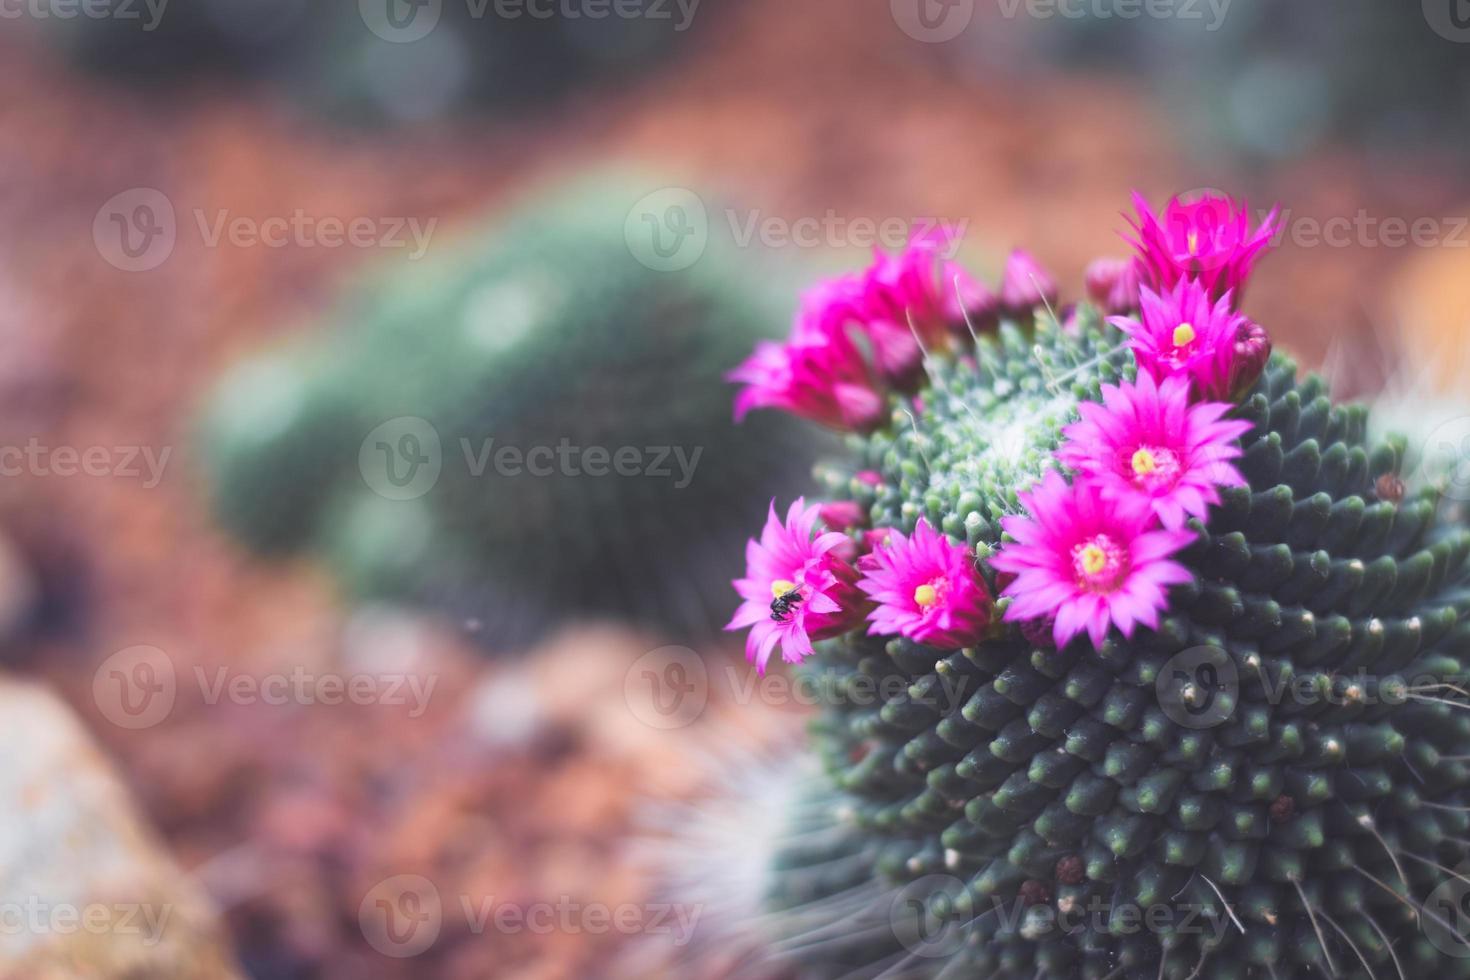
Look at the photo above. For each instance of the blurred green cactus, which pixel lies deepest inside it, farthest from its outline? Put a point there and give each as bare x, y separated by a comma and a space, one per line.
390, 59
1267, 81
522, 426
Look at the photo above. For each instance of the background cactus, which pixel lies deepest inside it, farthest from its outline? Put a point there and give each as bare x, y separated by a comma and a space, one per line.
543, 332
330, 57
1272, 82
1273, 783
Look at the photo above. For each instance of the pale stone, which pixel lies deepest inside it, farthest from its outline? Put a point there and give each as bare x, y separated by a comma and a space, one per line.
86, 890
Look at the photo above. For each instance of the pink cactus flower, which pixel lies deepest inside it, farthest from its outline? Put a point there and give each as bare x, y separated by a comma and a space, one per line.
926, 589
1147, 443
916, 301
1112, 284
1090, 562
843, 515
876, 538
796, 590
818, 374
1182, 331
1025, 285
1208, 239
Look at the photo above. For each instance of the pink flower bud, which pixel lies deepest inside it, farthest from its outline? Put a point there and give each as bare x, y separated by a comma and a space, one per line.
1026, 285
1113, 285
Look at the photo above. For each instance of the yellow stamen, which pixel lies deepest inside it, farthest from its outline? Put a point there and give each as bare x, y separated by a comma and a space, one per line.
1094, 559
780, 587
1144, 462
1184, 335
926, 595
1193, 239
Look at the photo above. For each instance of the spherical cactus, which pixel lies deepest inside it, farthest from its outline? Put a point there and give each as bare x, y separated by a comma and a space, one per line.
1142, 661
520, 428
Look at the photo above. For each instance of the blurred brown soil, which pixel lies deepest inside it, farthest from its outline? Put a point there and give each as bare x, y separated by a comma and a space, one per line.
290, 815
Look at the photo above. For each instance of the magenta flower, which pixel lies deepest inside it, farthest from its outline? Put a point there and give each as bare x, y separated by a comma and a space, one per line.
926, 589
1147, 443
843, 515
1252, 353
1209, 239
819, 373
1182, 332
1025, 285
1090, 562
1112, 284
796, 589
913, 301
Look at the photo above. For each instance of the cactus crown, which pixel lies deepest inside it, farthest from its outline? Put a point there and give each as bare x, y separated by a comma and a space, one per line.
1268, 779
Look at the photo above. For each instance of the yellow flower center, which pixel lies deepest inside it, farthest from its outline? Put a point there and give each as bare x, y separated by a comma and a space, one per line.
1184, 335
1093, 559
926, 595
1144, 462
780, 587
1193, 239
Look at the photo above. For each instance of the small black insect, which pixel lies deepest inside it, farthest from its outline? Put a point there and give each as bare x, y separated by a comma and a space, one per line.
781, 605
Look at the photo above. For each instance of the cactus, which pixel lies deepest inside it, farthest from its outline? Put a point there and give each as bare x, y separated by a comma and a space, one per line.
544, 333
1269, 780
352, 62
1271, 82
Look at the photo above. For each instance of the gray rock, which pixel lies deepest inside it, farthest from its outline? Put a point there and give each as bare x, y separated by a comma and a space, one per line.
86, 890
